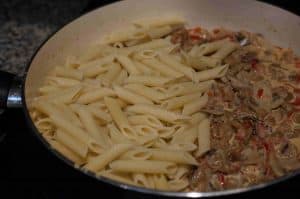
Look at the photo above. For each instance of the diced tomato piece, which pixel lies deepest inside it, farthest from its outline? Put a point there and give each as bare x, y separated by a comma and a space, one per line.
260, 93
195, 37
221, 179
254, 64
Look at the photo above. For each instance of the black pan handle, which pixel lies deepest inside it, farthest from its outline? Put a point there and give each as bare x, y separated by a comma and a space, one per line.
10, 90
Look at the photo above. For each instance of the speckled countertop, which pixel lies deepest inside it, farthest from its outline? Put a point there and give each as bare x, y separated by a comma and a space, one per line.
24, 25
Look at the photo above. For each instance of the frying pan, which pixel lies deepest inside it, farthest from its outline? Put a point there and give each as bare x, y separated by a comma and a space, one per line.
277, 25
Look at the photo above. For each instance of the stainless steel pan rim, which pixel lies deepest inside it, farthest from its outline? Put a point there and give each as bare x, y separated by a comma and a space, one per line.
130, 187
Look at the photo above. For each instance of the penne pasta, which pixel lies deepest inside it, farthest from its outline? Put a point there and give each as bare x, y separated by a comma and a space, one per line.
158, 112
148, 92
119, 117
146, 119
91, 126
99, 162
195, 106
210, 74
148, 80
203, 137
94, 95
171, 62
69, 73
143, 166
162, 68
178, 102
66, 152
130, 97
179, 157
112, 73
128, 65
72, 143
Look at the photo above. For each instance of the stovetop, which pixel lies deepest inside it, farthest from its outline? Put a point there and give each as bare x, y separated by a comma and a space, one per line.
28, 170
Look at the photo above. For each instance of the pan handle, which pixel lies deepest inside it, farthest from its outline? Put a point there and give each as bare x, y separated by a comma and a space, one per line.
10, 90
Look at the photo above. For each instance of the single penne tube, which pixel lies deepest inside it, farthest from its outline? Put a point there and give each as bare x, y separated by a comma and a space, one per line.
95, 95
148, 80
211, 47
158, 32
197, 117
47, 89
153, 44
64, 96
146, 91
141, 180
66, 152
114, 70
116, 136
62, 81
178, 102
97, 63
128, 64
143, 166
92, 128
183, 146
70, 114
167, 132
140, 153
121, 77
195, 106
145, 54
80, 148
119, 117
203, 62
130, 96
181, 172
146, 119
184, 88
225, 50
179, 157
99, 162
100, 114
144, 69
97, 70
158, 112
188, 135
45, 126
210, 74
117, 177
145, 140
68, 73
174, 64
203, 137
143, 38
164, 69
144, 130
178, 184
160, 182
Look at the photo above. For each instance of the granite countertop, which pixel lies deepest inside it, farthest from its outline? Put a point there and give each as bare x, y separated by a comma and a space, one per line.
24, 25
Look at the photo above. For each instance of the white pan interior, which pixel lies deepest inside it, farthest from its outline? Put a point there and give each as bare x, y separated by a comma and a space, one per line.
279, 26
